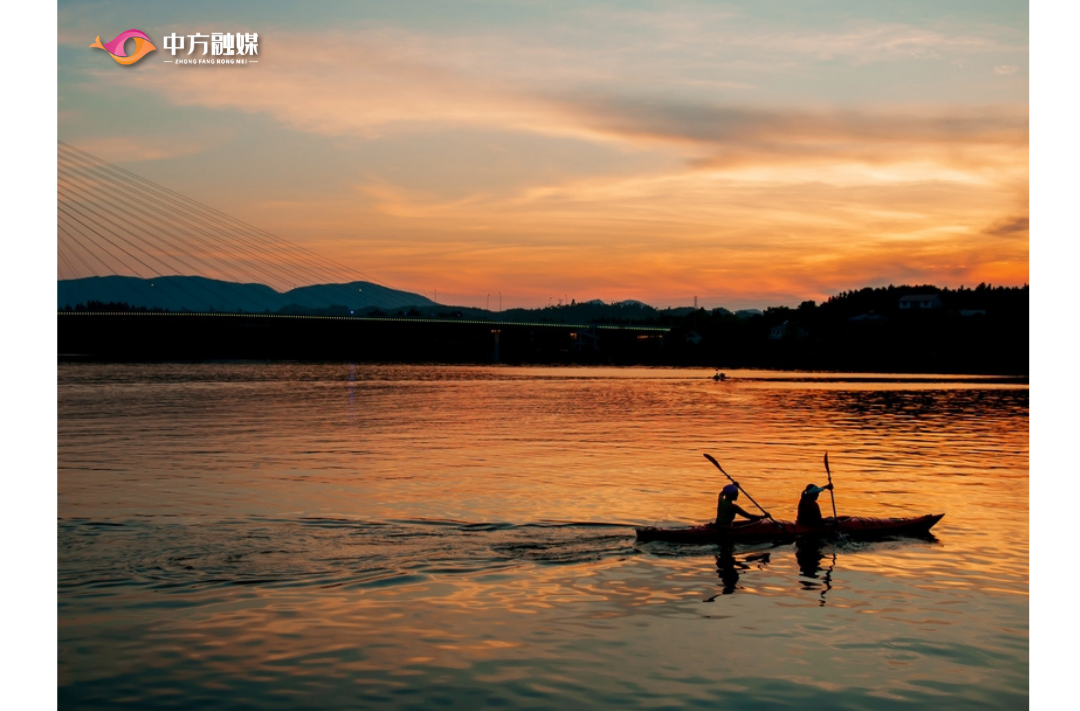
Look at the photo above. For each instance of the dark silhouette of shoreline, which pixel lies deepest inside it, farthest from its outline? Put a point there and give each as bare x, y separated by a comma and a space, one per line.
906, 329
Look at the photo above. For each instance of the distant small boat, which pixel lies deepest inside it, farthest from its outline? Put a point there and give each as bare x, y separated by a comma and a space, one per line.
855, 527
719, 376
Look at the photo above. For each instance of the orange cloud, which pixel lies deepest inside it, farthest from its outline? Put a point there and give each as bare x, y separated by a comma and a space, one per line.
667, 237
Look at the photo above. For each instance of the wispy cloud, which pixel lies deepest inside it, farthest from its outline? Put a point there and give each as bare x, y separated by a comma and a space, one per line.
384, 83
1009, 226
710, 32
869, 42
729, 137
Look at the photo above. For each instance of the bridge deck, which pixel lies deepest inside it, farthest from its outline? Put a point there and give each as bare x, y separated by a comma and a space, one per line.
140, 335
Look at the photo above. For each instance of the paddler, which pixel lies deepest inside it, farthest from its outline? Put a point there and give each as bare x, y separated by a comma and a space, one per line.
726, 508
809, 511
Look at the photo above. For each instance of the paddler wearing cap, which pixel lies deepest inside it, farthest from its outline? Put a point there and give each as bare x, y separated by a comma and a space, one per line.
809, 511
726, 508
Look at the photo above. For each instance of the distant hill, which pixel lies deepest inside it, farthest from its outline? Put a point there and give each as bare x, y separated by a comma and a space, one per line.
360, 298
595, 311
193, 293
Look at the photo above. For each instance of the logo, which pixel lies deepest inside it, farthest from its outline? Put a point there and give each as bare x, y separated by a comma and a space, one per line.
224, 48
115, 47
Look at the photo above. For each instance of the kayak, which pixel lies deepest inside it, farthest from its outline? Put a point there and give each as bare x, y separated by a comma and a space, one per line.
855, 527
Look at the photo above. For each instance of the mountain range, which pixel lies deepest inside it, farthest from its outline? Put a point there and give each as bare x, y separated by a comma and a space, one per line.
359, 298
193, 293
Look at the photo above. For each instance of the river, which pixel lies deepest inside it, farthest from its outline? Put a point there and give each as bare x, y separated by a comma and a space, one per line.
294, 536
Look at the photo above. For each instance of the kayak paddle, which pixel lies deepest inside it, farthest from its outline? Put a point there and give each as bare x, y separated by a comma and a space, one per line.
717, 465
831, 495
836, 519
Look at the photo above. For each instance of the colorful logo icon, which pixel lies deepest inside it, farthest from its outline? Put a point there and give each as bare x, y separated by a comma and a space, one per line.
115, 47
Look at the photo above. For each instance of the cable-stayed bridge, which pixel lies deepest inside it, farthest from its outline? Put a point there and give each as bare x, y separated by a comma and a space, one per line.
121, 235
169, 277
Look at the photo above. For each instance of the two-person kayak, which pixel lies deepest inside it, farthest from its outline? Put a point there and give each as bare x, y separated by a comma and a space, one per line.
851, 527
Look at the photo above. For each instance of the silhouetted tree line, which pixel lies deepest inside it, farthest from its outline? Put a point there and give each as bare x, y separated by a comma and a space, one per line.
979, 330
93, 305
587, 313
885, 300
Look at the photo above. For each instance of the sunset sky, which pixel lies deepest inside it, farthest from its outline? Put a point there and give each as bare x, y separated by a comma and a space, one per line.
747, 154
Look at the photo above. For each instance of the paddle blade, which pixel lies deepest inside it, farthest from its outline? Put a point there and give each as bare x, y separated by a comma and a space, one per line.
717, 465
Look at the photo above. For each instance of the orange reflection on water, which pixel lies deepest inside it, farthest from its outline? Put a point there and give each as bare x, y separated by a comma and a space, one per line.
391, 526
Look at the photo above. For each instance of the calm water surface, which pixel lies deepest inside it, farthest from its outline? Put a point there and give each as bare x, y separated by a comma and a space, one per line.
353, 536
